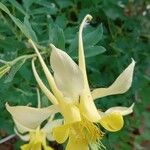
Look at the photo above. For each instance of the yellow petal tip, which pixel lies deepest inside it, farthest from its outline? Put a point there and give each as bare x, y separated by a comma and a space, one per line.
112, 122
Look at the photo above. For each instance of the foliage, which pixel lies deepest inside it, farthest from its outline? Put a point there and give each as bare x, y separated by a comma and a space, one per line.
119, 31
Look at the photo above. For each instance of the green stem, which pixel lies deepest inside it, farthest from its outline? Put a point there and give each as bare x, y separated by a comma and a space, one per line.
11, 63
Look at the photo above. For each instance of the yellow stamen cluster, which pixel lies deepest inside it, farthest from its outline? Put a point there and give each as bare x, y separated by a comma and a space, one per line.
86, 131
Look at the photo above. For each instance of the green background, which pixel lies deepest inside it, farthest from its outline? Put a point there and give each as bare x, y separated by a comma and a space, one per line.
118, 32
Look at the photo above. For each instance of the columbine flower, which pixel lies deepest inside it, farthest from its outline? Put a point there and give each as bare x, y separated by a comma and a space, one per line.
71, 92
28, 121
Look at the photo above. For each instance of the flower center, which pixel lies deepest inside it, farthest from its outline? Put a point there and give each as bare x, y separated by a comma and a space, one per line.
86, 132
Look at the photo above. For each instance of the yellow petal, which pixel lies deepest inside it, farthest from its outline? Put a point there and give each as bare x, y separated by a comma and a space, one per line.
112, 122
122, 110
47, 148
48, 128
37, 146
88, 108
31, 146
61, 133
76, 145
31, 117
26, 147
67, 74
121, 84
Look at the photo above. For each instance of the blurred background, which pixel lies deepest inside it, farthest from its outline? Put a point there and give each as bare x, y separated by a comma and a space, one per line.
119, 31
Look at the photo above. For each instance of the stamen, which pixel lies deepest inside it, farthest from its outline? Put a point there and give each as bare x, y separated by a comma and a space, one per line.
86, 132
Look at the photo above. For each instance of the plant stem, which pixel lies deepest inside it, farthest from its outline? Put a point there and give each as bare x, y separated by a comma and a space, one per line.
7, 138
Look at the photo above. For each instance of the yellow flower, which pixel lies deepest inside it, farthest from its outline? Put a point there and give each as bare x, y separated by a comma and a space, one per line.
27, 125
37, 141
72, 94
65, 75
81, 131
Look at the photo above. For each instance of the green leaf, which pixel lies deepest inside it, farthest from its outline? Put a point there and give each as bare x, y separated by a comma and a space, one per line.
89, 39
28, 3
61, 21
64, 4
10, 44
29, 28
94, 37
43, 10
14, 70
18, 6
23, 27
90, 51
56, 36
93, 51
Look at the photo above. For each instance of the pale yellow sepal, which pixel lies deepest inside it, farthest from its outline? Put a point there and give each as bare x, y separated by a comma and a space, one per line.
67, 74
31, 117
21, 128
121, 84
122, 110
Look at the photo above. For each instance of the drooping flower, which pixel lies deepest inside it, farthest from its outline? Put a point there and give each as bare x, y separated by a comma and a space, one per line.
111, 120
27, 125
71, 92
